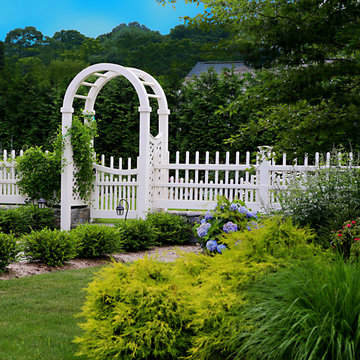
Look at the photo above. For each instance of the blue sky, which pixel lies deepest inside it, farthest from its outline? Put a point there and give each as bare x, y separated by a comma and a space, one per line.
90, 17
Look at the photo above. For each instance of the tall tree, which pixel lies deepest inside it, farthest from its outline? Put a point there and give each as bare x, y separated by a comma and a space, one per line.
2, 55
24, 42
310, 100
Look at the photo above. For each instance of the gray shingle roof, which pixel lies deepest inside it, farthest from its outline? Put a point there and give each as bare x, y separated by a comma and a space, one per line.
218, 66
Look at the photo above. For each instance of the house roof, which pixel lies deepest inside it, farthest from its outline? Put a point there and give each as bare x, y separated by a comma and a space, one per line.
218, 66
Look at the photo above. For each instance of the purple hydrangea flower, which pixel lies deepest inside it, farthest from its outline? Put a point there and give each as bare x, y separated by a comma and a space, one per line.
220, 247
230, 227
233, 207
211, 245
248, 227
208, 215
203, 221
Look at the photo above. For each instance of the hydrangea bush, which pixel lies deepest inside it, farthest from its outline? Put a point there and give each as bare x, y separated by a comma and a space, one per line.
226, 218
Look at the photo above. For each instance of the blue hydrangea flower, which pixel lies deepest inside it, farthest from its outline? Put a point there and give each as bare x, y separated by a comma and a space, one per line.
248, 227
250, 214
242, 210
201, 231
230, 227
208, 215
220, 247
206, 225
203, 221
233, 207
211, 245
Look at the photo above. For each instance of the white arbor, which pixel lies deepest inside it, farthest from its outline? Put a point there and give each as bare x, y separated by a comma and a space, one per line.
94, 78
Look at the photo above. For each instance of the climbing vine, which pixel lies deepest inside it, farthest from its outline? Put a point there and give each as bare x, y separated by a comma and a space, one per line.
82, 135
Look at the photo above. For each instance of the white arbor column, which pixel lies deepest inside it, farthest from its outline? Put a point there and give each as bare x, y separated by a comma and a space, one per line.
144, 163
67, 173
265, 153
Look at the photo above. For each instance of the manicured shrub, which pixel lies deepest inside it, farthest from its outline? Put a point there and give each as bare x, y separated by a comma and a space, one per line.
226, 218
8, 250
53, 247
191, 308
136, 235
171, 229
324, 199
24, 219
135, 312
95, 240
305, 312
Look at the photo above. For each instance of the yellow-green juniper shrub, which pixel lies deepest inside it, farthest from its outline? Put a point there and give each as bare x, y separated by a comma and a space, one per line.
191, 309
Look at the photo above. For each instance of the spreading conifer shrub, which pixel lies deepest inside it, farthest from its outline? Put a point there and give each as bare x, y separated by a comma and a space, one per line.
52, 247
136, 235
138, 313
24, 219
8, 250
171, 229
95, 240
192, 307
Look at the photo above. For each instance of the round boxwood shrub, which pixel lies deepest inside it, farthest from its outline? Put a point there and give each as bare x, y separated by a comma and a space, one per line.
8, 250
53, 247
95, 240
172, 229
136, 235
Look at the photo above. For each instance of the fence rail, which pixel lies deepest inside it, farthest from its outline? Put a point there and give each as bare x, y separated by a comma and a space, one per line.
185, 185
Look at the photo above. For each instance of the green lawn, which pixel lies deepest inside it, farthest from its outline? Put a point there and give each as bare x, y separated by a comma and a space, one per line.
37, 315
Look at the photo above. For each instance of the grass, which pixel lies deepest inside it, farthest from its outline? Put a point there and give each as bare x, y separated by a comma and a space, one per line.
37, 315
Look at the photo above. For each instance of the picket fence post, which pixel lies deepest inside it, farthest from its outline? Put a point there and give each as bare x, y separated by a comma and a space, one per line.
264, 158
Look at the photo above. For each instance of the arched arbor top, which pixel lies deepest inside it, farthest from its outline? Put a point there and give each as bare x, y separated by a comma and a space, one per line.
96, 76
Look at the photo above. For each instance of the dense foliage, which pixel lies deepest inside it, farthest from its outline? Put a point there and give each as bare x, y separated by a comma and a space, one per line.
323, 199
9, 250
37, 70
309, 99
95, 240
24, 219
171, 229
39, 174
136, 235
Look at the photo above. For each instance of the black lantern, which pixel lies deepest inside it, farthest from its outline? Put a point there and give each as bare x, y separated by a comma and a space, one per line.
41, 203
120, 208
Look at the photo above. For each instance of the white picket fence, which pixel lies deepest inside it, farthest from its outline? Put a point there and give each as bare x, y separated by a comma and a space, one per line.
187, 185
9, 191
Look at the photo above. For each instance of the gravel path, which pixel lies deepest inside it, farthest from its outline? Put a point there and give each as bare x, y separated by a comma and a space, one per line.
163, 253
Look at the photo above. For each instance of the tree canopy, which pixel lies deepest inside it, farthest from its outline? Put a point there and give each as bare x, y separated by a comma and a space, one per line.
308, 99
37, 70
